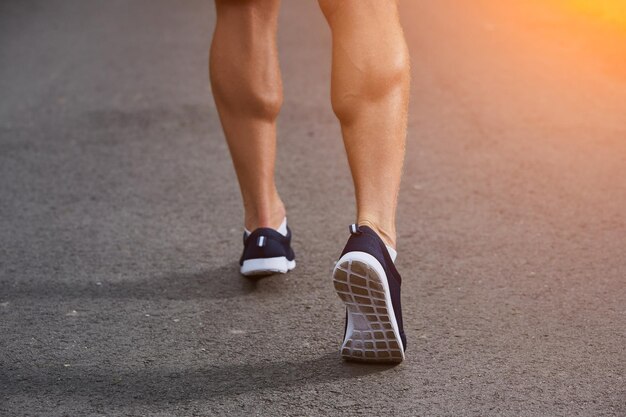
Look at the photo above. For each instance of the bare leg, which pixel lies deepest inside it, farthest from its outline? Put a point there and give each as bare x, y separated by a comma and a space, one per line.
370, 95
247, 87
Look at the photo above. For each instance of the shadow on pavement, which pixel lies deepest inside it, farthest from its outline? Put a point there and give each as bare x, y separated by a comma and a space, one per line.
153, 385
218, 283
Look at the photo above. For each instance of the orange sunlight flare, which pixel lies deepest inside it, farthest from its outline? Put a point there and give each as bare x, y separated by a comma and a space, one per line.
613, 11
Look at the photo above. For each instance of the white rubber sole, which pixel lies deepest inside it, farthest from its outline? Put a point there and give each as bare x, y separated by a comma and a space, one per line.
372, 333
266, 266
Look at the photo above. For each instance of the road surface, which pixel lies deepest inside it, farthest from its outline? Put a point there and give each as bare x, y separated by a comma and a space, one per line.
120, 218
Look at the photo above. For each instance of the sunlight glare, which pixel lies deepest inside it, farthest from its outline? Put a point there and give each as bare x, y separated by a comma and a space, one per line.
613, 11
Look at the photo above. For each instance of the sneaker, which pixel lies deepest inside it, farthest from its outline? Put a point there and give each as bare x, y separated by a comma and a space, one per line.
265, 252
367, 281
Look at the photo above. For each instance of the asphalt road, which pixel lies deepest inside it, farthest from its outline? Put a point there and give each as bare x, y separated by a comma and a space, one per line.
120, 219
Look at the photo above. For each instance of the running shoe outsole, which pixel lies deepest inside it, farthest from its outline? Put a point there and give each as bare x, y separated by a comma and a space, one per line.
371, 330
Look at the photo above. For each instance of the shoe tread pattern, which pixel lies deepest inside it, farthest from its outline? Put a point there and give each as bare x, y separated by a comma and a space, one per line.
372, 340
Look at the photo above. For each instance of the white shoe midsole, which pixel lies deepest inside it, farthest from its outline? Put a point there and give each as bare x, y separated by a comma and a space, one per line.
261, 265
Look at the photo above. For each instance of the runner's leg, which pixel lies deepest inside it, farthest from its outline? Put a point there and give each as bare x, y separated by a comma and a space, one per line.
370, 96
247, 87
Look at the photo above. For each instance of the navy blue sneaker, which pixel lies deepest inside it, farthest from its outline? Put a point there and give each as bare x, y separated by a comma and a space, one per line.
265, 251
367, 281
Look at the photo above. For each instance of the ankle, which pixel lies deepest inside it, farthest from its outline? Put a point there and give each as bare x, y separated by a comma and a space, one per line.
388, 234
271, 215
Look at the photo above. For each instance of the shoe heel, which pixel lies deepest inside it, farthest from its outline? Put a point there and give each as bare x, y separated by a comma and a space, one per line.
370, 334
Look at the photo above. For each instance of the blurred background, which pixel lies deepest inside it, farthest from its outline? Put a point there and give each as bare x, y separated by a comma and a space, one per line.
120, 217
